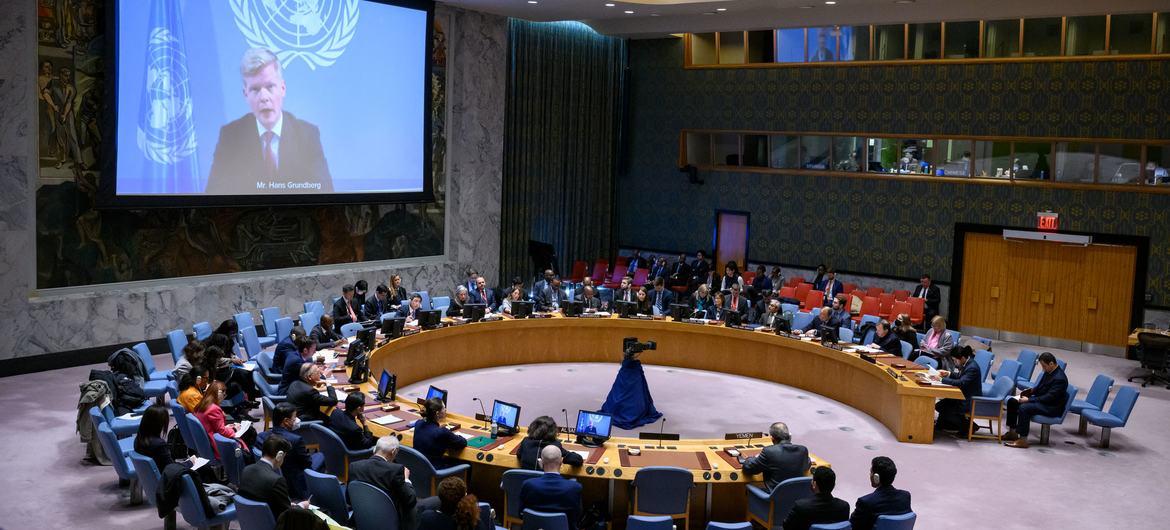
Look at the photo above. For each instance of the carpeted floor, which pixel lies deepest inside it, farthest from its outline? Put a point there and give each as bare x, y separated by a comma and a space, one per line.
955, 484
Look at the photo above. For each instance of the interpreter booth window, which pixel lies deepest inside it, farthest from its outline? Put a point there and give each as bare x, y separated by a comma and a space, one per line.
899, 155
702, 48
1075, 161
950, 158
699, 149
1130, 34
1001, 38
1084, 36
1032, 161
1162, 36
1119, 163
760, 47
755, 150
822, 44
848, 153
1041, 37
726, 149
962, 40
925, 40
890, 42
1157, 170
731, 47
993, 159
790, 45
784, 151
854, 43
814, 152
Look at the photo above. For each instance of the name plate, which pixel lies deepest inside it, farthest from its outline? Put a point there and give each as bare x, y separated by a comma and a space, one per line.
742, 435
566, 430
658, 436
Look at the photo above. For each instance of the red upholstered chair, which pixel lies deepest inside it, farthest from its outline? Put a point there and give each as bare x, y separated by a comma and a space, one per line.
615, 280
622, 260
788, 292
869, 306
748, 277
802, 290
874, 292
794, 281
578, 274
885, 305
849, 288
600, 267
901, 295
917, 310
813, 300
900, 308
640, 277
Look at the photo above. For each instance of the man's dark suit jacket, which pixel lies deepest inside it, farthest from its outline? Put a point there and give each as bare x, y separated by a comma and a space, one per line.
743, 304
932, 296
762, 318
553, 493
404, 311
529, 453
778, 462
433, 441
290, 372
591, 303
549, 295
374, 308
341, 315
261, 483
818, 509
831, 293
295, 463
667, 299
885, 500
816, 324
351, 432
239, 161
890, 343
620, 295
324, 337
456, 308
284, 348
490, 301
309, 402
390, 478
699, 270
1051, 393
970, 380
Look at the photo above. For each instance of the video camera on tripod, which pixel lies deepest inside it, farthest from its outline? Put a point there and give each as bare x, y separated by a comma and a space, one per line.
630, 345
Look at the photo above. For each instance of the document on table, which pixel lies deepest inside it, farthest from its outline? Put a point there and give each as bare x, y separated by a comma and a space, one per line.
244, 426
465, 435
584, 454
388, 419
249, 365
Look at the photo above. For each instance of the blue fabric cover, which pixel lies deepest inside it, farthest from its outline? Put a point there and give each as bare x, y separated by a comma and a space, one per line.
629, 400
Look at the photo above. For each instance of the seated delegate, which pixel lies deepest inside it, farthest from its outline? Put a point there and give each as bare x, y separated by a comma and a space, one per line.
885, 499
780, 461
542, 432
304, 396
432, 439
550, 492
457, 509
262, 481
822, 507
350, 424
884, 340
325, 335
297, 459
382, 472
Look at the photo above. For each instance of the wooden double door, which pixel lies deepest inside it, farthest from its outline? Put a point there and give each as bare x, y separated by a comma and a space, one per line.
1047, 289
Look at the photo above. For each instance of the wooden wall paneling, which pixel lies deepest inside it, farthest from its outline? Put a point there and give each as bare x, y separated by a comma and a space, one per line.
1106, 299
983, 271
1061, 284
1022, 292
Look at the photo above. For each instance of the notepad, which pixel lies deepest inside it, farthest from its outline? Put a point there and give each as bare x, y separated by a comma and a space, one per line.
130, 416
388, 419
584, 454
249, 365
244, 426
465, 435
197, 462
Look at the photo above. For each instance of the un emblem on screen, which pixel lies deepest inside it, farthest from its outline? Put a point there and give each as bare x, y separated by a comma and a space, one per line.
315, 31
166, 134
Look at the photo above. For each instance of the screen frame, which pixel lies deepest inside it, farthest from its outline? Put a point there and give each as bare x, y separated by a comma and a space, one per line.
442, 393
594, 435
391, 390
107, 197
496, 403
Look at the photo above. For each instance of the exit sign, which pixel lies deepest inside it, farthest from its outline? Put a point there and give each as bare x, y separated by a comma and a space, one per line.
1047, 221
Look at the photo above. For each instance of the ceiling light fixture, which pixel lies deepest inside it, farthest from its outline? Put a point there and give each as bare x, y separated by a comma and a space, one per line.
721, 9
533, 2
608, 5
807, 7
830, 3
628, 12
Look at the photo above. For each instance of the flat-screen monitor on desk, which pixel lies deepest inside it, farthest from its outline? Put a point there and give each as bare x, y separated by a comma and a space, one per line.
521, 308
429, 319
367, 336
828, 334
435, 392
734, 318
392, 327
593, 427
571, 308
474, 312
506, 415
680, 311
625, 309
387, 387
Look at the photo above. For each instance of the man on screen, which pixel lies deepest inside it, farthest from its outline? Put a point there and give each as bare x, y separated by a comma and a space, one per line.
268, 151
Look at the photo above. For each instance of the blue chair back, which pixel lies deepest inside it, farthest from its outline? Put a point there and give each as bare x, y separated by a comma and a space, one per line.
372, 508
148, 475
177, 414
143, 352
843, 525
906, 349
422, 473
789, 308
896, 522
309, 321
351, 329
199, 441
845, 334
662, 490
511, 482
1123, 403
315, 307
251, 342
244, 320
266, 388
486, 522
954, 336
253, 515
534, 520
192, 508
1008, 368
202, 330
1001, 388
983, 359
730, 526
786, 494
231, 455
284, 327
800, 320
269, 316
986, 341
1099, 392
1027, 360
868, 338
440, 301
177, 340
649, 522
926, 361
109, 442
868, 319
327, 494
337, 456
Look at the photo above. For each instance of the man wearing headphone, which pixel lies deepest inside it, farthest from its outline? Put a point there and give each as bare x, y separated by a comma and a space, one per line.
551, 492
780, 461
263, 482
885, 499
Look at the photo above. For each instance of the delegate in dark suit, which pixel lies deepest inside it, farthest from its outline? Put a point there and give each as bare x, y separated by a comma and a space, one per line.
553, 493
238, 165
932, 296
433, 441
390, 478
818, 509
324, 337
261, 483
661, 299
373, 309
487, 297
284, 348
290, 372
832, 288
295, 463
885, 500
890, 343
970, 381
1047, 399
351, 432
549, 298
341, 314
309, 402
529, 453
778, 462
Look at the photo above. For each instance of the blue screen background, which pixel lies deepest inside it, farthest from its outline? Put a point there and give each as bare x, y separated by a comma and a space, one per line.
509, 413
600, 422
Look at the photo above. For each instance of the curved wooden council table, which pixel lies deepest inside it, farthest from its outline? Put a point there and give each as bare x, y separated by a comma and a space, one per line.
890, 395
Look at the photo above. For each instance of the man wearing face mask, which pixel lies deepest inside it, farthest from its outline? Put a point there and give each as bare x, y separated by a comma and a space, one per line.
263, 482
285, 424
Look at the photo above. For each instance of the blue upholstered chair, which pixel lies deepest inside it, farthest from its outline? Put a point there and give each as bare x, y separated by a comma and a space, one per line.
845, 334
728, 526
800, 320
1046, 422
177, 340
867, 339
1025, 385
264, 368
253, 515
372, 508
201, 330
441, 303
649, 522
122, 428
315, 307
1007, 368
1027, 360
252, 345
906, 349
983, 360
284, 327
510, 484
1098, 394
156, 383
199, 442
789, 308
534, 520
868, 319
150, 480
122, 465
328, 494
986, 341
337, 455
177, 413
769, 508
487, 518
231, 456
244, 321
424, 475
1118, 414
989, 407
928, 362
309, 321
843, 525
662, 490
192, 508
268, 317
896, 522
954, 336
350, 329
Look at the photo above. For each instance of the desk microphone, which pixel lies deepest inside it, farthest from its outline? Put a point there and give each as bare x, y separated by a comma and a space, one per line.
482, 411
568, 438
660, 427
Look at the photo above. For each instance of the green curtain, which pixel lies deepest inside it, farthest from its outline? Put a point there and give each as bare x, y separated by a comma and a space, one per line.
566, 89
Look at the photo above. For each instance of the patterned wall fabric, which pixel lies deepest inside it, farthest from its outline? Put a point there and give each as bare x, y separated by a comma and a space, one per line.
80, 245
884, 227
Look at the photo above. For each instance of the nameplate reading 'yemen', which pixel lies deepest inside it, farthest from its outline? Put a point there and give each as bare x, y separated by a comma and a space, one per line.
742, 435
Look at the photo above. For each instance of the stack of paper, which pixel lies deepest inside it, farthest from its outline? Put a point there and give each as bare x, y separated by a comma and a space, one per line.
388, 419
